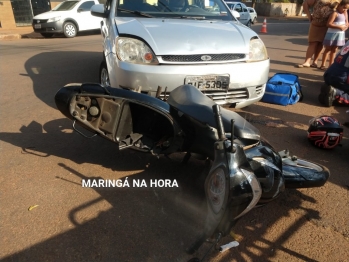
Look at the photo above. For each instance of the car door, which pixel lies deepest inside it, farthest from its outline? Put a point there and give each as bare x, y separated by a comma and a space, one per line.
238, 8
85, 20
245, 13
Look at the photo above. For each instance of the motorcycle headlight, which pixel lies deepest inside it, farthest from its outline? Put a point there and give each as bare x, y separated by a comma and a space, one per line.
54, 19
134, 51
216, 189
257, 51
268, 180
265, 163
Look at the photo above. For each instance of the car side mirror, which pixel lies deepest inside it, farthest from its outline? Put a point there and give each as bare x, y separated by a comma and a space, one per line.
80, 10
236, 14
98, 10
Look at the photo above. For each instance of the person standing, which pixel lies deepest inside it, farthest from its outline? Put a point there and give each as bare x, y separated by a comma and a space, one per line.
322, 9
335, 37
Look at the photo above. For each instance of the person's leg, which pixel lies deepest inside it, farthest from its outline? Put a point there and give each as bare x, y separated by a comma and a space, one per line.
312, 47
336, 82
342, 97
334, 91
324, 57
318, 49
332, 54
327, 95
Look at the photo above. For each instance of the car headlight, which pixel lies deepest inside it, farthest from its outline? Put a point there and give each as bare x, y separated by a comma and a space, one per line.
257, 51
54, 19
134, 51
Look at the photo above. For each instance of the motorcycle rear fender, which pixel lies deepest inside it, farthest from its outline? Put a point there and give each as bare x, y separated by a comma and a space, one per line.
121, 116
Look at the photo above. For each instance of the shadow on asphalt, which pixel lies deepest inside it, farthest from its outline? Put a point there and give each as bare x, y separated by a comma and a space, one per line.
85, 66
144, 224
34, 35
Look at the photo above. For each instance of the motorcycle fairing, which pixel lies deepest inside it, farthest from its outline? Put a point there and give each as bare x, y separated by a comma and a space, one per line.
128, 118
241, 192
271, 179
192, 102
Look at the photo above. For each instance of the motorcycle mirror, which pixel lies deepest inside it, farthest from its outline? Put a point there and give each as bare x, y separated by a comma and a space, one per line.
219, 122
165, 95
158, 92
233, 149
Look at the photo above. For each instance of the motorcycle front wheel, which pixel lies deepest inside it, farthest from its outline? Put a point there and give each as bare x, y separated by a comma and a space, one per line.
301, 173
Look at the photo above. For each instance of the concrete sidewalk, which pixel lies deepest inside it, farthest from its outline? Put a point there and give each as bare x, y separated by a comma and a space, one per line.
18, 33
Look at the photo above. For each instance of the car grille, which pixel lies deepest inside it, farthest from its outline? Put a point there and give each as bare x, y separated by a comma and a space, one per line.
226, 97
41, 21
233, 95
202, 58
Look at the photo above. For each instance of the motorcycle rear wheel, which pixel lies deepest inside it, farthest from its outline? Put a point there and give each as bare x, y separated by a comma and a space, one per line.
302, 173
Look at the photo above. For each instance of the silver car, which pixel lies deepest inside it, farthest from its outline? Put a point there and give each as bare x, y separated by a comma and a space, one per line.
253, 14
244, 13
169, 43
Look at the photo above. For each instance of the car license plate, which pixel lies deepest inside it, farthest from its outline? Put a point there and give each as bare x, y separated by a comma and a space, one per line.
37, 26
208, 82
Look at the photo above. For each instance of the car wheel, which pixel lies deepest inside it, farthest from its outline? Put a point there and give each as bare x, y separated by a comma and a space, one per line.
248, 23
103, 74
47, 35
69, 30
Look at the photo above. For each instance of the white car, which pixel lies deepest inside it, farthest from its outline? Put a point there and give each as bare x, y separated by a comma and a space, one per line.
241, 8
171, 43
69, 18
253, 14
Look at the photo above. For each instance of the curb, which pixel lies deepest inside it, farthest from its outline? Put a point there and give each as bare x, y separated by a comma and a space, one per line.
20, 36
10, 36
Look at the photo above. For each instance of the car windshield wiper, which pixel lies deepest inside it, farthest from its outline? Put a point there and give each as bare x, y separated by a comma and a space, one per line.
187, 17
135, 12
193, 17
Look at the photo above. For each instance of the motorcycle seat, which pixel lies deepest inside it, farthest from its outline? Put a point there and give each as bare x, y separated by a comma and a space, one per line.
190, 101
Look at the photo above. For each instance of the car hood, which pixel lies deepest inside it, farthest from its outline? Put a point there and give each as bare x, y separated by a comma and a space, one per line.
50, 14
184, 36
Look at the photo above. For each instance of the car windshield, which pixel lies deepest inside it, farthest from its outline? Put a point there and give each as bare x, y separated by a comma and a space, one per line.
65, 6
184, 9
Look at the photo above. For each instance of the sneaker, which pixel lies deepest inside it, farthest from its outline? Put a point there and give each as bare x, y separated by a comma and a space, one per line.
325, 88
329, 93
321, 98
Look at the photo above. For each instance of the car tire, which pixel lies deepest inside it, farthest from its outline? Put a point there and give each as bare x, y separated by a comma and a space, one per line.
103, 74
69, 30
46, 35
249, 23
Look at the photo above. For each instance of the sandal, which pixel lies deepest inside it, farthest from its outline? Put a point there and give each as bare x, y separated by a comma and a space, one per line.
323, 68
301, 66
313, 65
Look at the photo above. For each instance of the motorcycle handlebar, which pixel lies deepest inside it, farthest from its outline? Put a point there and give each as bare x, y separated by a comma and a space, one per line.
218, 118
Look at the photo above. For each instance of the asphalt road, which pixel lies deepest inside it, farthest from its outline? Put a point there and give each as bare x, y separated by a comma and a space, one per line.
43, 162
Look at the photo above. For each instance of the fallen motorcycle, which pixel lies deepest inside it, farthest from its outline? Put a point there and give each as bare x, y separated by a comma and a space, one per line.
245, 169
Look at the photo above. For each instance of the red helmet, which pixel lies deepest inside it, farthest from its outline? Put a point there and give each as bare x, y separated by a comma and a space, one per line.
325, 132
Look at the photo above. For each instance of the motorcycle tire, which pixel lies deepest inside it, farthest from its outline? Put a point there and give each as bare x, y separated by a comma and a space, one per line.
302, 173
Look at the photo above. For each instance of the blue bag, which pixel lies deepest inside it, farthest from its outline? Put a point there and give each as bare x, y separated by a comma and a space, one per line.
283, 89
